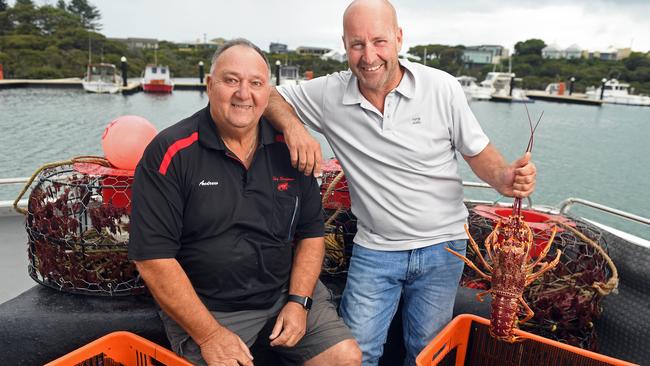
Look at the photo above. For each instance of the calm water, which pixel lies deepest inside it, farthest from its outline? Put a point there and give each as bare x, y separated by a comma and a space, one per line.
599, 154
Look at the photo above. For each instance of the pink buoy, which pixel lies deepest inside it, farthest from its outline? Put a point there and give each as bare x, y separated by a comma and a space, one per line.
125, 139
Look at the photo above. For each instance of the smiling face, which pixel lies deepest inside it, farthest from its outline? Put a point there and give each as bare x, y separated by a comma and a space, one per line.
372, 41
238, 89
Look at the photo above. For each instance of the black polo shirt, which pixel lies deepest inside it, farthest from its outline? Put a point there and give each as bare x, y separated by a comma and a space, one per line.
231, 229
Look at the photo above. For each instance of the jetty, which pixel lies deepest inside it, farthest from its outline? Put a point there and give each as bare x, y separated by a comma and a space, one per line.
570, 99
75, 83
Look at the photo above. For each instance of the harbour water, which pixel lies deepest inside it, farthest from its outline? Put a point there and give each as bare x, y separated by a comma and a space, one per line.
596, 153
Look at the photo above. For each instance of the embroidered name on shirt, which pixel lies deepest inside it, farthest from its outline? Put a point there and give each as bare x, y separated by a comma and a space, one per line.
283, 184
416, 120
208, 183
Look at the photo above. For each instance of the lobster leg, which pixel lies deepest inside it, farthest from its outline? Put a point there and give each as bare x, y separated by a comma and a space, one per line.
529, 313
542, 255
532, 277
477, 250
470, 264
480, 295
490, 240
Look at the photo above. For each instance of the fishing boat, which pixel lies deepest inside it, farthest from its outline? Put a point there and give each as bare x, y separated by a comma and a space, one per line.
503, 88
101, 78
157, 79
60, 314
617, 92
472, 90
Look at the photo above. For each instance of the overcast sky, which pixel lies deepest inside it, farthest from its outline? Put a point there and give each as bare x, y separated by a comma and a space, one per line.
592, 24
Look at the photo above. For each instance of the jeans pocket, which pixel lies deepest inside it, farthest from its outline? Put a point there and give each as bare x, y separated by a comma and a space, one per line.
457, 245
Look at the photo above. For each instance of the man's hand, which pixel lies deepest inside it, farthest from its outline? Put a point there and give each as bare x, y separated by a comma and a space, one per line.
522, 177
290, 326
225, 348
304, 149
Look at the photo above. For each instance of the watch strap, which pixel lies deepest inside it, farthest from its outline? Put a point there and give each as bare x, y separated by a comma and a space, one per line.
305, 301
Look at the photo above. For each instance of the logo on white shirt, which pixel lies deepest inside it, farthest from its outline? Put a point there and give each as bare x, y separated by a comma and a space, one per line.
208, 183
416, 120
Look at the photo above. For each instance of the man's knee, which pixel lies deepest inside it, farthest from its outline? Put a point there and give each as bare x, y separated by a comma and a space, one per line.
350, 353
344, 353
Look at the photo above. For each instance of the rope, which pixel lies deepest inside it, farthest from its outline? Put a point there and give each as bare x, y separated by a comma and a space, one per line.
602, 288
328, 192
79, 159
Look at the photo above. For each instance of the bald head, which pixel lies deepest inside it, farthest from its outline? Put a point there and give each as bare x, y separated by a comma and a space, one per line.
372, 41
380, 9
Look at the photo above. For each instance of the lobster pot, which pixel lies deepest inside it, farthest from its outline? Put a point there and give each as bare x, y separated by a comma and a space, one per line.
78, 231
566, 300
340, 225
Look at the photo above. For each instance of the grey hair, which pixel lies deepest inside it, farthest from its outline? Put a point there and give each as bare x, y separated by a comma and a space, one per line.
238, 42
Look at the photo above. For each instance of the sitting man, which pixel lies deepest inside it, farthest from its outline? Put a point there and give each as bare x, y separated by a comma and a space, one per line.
216, 208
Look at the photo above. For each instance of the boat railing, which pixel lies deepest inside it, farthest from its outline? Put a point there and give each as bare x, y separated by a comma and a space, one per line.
9, 203
568, 203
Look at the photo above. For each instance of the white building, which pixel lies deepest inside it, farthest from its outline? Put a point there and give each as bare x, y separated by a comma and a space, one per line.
552, 51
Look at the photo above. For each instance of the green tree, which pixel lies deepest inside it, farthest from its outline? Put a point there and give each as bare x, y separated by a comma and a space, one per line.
50, 20
23, 17
88, 14
530, 47
5, 24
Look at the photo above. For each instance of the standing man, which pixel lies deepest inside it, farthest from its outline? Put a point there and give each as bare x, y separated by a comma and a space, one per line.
396, 126
216, 209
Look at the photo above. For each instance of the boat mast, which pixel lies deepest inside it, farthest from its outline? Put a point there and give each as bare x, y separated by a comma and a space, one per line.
89, 50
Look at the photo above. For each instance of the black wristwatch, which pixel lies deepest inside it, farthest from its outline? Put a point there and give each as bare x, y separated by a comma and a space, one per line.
305, 301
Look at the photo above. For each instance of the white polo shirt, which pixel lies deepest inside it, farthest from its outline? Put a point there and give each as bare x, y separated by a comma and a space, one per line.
401, 165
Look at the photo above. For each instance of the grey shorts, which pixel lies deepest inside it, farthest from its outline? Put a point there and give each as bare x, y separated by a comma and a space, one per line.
324, 329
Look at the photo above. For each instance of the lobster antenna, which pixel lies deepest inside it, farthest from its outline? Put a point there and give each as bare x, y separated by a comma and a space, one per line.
532, 133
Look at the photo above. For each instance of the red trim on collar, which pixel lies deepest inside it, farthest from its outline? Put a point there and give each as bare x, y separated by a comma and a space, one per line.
174, 148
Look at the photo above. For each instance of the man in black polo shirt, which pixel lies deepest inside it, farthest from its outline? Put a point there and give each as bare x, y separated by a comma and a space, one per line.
216, 209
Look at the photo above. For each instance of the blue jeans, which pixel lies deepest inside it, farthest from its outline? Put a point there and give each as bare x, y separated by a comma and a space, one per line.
428, 280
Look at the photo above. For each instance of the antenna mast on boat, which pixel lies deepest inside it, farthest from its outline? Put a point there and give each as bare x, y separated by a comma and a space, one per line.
89, 50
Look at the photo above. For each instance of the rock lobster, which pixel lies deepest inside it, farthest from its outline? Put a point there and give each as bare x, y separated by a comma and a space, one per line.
508, 247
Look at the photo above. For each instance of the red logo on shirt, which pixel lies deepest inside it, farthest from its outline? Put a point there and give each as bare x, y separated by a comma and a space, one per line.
283, 186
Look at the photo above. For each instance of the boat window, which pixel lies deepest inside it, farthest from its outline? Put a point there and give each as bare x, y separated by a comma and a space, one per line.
154, 70
163, 70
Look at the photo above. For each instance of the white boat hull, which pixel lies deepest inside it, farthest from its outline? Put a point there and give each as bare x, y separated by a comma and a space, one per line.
100, 87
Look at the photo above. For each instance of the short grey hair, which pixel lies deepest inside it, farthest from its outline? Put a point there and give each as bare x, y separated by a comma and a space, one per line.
238, 42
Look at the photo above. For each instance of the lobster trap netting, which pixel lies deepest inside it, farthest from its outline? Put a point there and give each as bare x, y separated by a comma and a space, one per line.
340, 223
566, 300
78, 230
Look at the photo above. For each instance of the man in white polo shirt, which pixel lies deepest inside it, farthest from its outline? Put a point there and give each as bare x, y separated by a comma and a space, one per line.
396, 126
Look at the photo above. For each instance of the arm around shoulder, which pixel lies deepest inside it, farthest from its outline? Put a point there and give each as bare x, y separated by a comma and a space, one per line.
305, 150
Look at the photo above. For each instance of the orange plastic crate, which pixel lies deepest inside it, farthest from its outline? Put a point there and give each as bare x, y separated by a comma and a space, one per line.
120, 348
466, 341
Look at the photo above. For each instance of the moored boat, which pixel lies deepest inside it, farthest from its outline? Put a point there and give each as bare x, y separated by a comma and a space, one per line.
101, 78
157, 79
472, 90
617, 92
